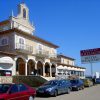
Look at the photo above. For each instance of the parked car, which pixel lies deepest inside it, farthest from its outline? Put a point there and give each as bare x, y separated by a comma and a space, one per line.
97, 81
16, 92
54, 87
88, 82
77, 84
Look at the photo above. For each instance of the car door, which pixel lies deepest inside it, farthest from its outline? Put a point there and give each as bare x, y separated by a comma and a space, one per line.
13, 93
64, 86
60, 87
23, 90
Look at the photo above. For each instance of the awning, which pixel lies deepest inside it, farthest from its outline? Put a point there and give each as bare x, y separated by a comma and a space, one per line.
6, 60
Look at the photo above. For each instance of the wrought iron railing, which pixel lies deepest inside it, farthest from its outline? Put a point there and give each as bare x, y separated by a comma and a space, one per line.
24, 47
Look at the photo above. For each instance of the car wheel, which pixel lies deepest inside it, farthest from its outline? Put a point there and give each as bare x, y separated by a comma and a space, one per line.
68, 90
77, 89
31, 98
55, 93
82, 87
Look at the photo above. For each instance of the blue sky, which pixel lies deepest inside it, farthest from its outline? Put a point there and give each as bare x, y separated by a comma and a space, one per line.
73, 25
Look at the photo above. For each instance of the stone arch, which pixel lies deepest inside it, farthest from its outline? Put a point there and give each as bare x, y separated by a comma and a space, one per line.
31, 67
47, 69
53, 69
20, 66
40, 68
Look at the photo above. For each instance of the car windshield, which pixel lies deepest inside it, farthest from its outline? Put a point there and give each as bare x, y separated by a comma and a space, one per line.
4, 88
51, 83
98, 79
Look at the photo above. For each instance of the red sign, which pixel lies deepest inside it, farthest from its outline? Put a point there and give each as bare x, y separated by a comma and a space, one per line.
90, 52
90, 55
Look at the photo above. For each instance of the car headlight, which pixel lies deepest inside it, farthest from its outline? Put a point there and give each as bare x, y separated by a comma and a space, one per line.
49, 89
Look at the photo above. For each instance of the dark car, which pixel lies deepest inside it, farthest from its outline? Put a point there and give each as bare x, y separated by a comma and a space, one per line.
16, 92
97, 81
77, 84
54, 87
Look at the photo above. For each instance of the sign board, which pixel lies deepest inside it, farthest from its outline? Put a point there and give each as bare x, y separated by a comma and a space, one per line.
97, 74
90, 55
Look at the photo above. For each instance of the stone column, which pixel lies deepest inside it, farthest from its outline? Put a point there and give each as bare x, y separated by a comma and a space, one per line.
50, 71
14, 67
26, 67
43, 70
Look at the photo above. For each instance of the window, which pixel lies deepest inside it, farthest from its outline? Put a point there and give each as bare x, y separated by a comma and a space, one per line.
21, 41
40, 47
5, 28
4, 88
14, 89
4, 41
22, 87
24, 13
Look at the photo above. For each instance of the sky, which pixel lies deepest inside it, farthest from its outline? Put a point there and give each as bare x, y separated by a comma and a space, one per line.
73, 25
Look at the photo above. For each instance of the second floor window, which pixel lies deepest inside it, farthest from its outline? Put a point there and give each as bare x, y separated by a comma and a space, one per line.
4, 41
21, 41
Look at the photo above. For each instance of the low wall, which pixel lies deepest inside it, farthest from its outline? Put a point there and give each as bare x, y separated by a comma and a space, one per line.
33, 81
6, 79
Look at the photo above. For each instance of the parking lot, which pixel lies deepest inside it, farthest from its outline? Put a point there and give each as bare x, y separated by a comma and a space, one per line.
92, 93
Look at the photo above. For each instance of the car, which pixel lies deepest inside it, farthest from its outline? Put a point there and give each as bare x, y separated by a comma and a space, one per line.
54, 87
77, 84
13, 91
87, 82
97, 81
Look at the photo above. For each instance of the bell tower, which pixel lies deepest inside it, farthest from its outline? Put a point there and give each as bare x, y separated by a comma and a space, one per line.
23, 11
21, 21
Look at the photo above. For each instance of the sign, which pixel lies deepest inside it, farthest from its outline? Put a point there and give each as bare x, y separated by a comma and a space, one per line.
90, 55
97, 74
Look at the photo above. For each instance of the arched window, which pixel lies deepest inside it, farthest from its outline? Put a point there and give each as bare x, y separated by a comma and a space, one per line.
24, 13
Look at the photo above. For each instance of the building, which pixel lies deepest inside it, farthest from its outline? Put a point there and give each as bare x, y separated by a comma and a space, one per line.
66, 66
23, 53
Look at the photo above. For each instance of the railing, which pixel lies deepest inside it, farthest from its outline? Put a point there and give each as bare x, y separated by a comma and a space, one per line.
45, 53
53, 56
24, 47
42, 53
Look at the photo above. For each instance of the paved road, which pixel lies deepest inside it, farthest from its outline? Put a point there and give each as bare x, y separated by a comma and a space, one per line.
92, 93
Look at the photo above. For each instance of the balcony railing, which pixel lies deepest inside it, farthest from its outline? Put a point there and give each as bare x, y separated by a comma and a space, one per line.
24, 48
42, 53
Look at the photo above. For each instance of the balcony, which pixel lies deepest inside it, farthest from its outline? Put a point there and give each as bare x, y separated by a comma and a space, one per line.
42, 54
24, 48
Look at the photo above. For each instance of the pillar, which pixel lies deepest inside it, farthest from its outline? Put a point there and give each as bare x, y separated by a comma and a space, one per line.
50, 71
43, 70
14, 67
26, 67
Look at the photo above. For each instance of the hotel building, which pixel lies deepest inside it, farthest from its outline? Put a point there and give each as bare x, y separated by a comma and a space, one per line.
23, 53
